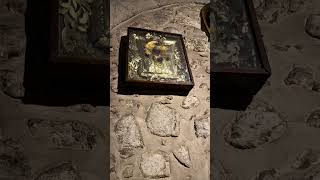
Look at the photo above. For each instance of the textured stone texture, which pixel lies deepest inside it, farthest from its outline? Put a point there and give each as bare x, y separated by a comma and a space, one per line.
202, 126
183, 156
163, 120
155, 164
190, 102
129, 135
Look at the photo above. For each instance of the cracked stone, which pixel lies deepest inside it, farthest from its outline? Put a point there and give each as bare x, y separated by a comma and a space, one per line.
82, 108
190, 102
63, 171
300, 76
251, 129
128, 135
11, 84
202, 126
313, 119
74, 135
183, 156
163, 120
305, 159
155, 164
13, 162
128, 171
313, 25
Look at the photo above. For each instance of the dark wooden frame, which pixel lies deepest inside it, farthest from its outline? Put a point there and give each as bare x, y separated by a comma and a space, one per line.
54, 40
154, 86
243, 80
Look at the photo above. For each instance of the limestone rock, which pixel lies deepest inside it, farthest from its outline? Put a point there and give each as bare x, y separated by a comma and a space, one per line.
183, 156
163, 120
202, 126
128, 135
313, 25
155, 164
190, 102
251, 129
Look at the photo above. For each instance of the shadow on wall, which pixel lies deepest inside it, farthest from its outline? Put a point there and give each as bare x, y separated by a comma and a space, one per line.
57, 84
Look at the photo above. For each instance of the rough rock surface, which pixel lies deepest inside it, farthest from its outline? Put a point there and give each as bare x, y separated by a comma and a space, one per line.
190, 102
155, 164
129, 135
183, 156
252, 129
163, 120
202, 126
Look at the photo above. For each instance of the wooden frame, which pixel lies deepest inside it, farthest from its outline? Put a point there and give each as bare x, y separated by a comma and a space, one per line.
55, 56
158, 86
243, 80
